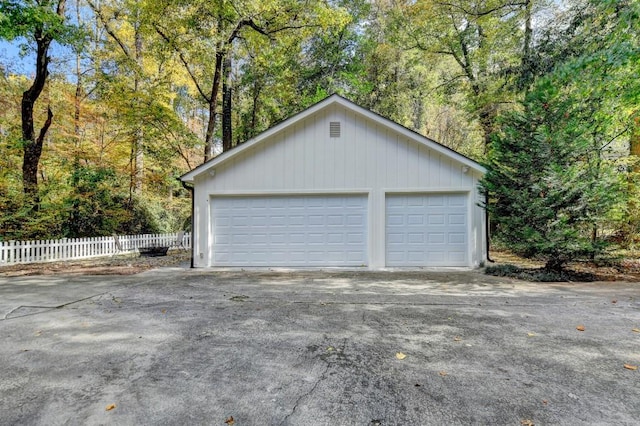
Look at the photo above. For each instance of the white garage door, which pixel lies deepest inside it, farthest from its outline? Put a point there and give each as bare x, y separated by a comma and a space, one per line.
427, 230
290, 231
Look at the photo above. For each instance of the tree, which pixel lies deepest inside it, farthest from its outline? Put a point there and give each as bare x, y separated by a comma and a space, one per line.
41, 22
484, 43
204, 33
596, 45
548, 183
137, 81
132, 48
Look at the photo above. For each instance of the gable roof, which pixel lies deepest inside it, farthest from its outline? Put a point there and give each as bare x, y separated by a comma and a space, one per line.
331, 100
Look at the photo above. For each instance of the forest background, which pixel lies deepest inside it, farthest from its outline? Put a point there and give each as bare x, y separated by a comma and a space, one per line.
124, 96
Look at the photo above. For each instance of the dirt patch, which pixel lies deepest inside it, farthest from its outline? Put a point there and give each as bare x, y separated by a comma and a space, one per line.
119, 265
621, 270
624, 270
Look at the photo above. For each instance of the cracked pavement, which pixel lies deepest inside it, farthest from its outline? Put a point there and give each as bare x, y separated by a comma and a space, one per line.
178, 346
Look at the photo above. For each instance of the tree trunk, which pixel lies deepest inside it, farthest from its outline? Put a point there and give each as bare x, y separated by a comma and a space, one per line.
227, 136
138, 135
77, 100
76, 104
486, 122
554, 264
634, 175
33, 146
527, 73
634, 142
213, 104
254, 109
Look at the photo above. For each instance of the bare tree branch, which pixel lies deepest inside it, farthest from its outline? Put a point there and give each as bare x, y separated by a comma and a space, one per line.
184, 62
480, 13
109, 30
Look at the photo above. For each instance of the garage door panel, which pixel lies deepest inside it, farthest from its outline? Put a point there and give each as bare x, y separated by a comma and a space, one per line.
290, 231
415, 219
395, 219
221, 256
435, 219
435, 201
457, 219
456, 238
335, 220
415, 256
395, 238
435, 238
355, 239
459, 256
433, 257
355, 257
336, 238
457, 201
355, 220
426, 230
415, 238
296, 220
395, 202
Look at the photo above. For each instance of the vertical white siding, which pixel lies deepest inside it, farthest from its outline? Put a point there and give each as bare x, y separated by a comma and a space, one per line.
368, 158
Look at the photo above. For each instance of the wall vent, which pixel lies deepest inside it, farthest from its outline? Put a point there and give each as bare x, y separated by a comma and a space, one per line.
334, 129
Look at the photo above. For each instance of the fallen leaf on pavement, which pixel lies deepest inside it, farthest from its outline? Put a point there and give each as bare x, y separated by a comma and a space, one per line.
110, 407
400, 355
330, 348
526, 423
457, 339
545, 402
164, 311
630, 367
531, 334
580, 328
636, 330
230, 421
239, 298
443, 373
614, 301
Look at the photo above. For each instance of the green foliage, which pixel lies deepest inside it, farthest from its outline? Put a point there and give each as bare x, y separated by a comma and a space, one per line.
19, 220
560, 181
548, 182
139, 115
98, 205
25, 18
93, 207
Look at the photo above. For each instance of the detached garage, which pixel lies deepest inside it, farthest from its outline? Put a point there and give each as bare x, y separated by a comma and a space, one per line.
338, 185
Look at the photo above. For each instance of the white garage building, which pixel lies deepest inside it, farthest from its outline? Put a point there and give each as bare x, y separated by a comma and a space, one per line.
338, 185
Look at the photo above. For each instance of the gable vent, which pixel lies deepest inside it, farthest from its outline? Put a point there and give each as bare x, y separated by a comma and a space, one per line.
334, 129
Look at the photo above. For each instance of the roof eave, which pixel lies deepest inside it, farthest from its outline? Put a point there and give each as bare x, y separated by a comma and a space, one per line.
416, 137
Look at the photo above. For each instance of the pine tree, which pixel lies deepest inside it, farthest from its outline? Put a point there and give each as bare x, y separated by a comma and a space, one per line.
549, 183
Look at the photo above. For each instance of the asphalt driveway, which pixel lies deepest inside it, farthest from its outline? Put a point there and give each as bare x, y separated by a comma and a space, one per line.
175, 346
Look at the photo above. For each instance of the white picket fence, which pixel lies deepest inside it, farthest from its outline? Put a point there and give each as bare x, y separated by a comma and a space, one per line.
14, 252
